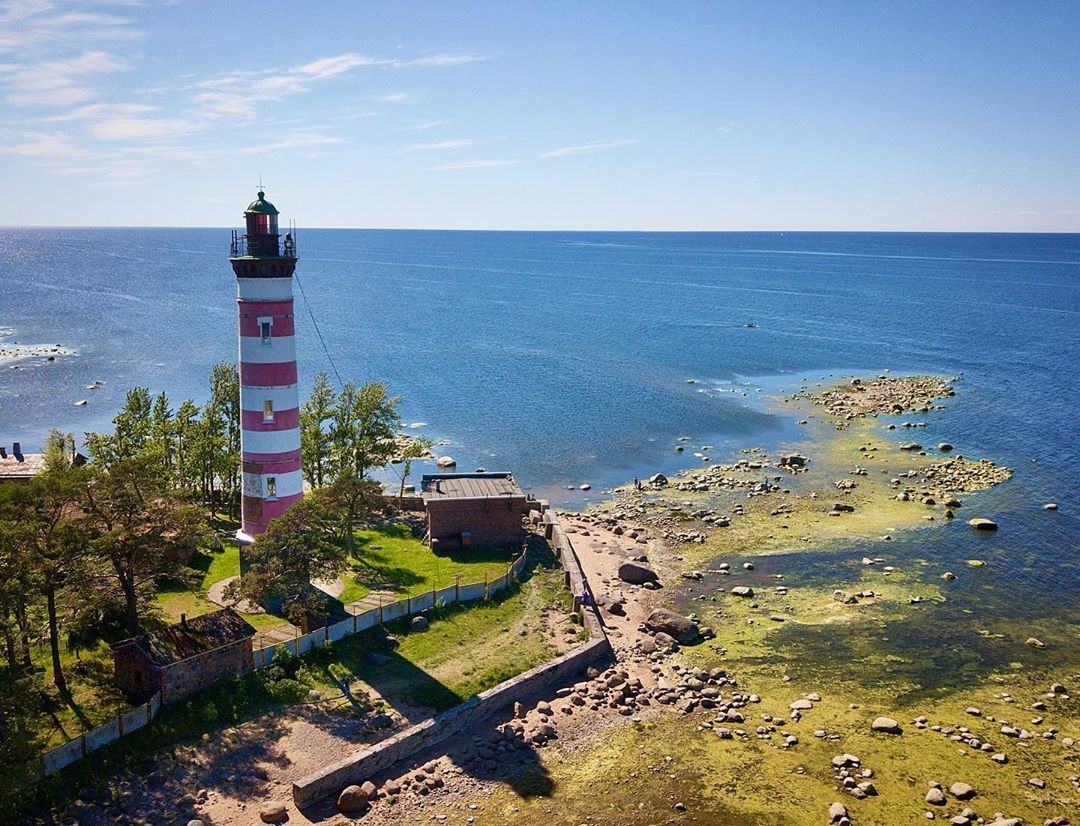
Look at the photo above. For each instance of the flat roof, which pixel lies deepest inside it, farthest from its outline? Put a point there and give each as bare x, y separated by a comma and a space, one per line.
445, 486
31, 465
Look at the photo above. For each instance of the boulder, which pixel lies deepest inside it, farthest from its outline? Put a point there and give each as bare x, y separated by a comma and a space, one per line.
935, 797
742, 591
658, 480
636, 574
681, 628
837, 812
353, 799
961, 791
886, 724
981, 524
446, 461
419, 624
792, 460
273, 812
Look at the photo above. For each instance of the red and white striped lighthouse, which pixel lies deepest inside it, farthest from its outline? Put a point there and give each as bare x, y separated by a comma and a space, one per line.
269, 399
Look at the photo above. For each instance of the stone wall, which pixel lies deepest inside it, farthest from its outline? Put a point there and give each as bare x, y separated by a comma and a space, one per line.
203, 670
542, 680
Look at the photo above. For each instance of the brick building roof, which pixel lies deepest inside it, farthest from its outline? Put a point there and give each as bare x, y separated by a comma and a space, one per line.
194, 636
447, 486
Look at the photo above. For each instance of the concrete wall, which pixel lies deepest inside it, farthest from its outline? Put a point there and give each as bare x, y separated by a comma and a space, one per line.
544, 680
76, 749
365, 764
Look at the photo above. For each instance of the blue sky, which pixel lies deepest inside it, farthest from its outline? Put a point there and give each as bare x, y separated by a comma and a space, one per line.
543, 115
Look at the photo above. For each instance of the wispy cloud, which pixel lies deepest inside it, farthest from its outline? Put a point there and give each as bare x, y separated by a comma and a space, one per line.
475, 165
55, 83
394, 97
592, 146
430, 147
295, 141
431, 124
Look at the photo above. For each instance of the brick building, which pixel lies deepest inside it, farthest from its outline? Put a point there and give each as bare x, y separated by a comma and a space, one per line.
474, 510
186, 657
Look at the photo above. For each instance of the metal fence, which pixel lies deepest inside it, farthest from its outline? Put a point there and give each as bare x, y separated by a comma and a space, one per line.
133, 720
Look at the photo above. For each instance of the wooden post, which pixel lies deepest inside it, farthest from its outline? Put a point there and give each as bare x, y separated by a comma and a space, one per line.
457, 587
433, 592
485, 585
380, 610
354, 623
326, 628
120, 723
408, 606
82, 743
149, 713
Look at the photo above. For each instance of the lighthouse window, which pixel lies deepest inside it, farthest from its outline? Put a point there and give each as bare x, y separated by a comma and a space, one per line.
264, 331
271, 487
268, 411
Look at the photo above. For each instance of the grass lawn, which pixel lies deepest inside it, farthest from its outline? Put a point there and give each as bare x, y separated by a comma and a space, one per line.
391, 558
467, 648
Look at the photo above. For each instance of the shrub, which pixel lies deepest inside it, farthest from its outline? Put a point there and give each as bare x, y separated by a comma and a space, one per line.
287, 690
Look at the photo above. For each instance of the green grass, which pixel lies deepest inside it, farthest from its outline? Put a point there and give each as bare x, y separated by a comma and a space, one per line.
392, 558
468, 648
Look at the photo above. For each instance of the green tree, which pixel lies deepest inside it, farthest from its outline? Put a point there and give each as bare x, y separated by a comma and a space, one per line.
418, 447
346, 501
44, 521
162, 436
185, 423
59, 450
296, 548
132, 428
364, 429
315, 440
143, 527
225, 404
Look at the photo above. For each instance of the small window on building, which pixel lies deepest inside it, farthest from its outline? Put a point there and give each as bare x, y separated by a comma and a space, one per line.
264, 331
268, 411
271, 487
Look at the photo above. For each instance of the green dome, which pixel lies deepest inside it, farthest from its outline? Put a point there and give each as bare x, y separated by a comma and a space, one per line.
261, 206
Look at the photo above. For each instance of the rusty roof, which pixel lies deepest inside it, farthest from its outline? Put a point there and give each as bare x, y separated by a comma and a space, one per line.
445, 486
197, 636
31, 465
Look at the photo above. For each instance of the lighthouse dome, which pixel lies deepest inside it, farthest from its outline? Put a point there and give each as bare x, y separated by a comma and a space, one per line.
261, 206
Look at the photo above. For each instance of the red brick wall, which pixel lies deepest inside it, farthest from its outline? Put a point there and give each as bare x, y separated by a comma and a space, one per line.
129, 664
490, 523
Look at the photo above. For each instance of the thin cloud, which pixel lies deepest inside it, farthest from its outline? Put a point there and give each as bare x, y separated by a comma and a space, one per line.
57, 82
430, 147
592, 146
394, 97
431, 124
475, 165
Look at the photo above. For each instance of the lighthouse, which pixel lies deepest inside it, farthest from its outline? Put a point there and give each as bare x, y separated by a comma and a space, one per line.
269, 399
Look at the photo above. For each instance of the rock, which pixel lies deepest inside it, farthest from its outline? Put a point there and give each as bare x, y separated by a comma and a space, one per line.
886, 724
999, 758
1038, 783
974, 712
981, 524
961, 791
658, 480
801, 705
195, 822
636, 574
419, 624
665, 642
742, 591
935, 797
273, 812
681, 628
911, 446
792, 460
837, 811
81, 403
1035, 642
1050, 506
585, 486
446, 461
353, 799
944, 447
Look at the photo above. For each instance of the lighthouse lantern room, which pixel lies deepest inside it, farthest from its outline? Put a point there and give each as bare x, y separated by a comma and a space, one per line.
269, 398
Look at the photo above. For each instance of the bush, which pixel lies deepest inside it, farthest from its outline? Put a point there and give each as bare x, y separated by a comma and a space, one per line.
287, 690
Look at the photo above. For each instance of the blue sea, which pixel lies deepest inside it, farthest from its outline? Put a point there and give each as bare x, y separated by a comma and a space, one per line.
565, 357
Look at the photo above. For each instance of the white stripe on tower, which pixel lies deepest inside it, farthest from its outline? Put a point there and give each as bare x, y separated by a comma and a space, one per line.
269, 401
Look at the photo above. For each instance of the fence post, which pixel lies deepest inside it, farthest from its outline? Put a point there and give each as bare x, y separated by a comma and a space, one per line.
408, 605
326, 637
82, 743
485, 586
120, 723
433, 590
354, 623
457, 587
380, 609
149, 713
